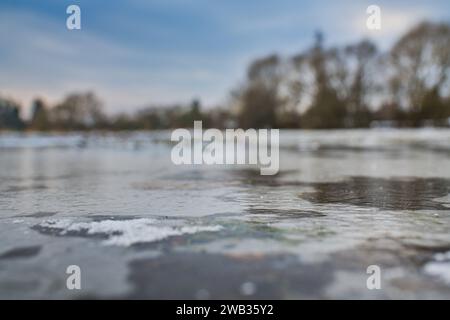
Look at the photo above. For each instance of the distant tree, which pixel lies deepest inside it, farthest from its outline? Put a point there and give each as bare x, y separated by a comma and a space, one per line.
360, 84
10, 115
39, 119
191, 114
421, 64
78, 111
433, 107
327, 109
392, 113
221, 118
259, 100
151, 119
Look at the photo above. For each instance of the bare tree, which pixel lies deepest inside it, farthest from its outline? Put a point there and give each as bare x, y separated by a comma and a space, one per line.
259, 99
78, 111
421, 60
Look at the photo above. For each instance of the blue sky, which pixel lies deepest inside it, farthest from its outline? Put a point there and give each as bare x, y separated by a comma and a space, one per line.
139, 52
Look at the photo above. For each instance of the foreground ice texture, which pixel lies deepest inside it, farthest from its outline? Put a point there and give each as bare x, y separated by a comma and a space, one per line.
140, 227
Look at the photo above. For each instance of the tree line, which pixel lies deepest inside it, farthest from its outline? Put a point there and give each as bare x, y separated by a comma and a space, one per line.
350, 86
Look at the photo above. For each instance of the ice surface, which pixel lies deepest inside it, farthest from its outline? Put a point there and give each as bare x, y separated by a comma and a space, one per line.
343, 200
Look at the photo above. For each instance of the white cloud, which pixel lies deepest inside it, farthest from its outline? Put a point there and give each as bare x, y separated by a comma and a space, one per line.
394, 22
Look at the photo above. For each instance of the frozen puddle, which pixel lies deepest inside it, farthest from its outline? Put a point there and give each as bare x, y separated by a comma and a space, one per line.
439, 267
121, 232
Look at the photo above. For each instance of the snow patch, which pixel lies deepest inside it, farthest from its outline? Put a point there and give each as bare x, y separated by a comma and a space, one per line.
439, 267
126, 232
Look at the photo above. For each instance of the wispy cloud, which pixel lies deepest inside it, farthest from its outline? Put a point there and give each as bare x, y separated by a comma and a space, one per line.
43, 58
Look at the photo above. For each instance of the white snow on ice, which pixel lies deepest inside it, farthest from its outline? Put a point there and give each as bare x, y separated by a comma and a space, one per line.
126, 232
440, 267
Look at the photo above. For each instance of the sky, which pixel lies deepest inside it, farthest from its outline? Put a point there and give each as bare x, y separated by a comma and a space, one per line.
137, 53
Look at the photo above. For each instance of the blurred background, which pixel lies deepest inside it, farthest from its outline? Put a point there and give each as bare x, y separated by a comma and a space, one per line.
280, 64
